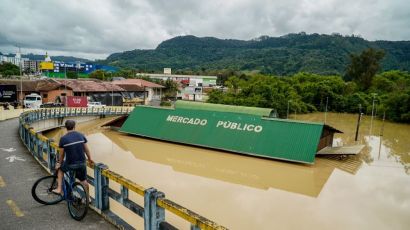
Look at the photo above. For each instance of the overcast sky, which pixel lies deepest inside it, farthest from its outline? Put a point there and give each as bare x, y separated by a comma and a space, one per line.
97, 28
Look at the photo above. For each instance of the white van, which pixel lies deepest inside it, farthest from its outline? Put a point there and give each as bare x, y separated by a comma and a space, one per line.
32, 101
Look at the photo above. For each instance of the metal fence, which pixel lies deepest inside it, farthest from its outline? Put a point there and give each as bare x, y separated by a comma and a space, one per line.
45, 152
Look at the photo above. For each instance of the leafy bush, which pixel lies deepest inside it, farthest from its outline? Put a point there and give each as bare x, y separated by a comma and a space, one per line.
310, 92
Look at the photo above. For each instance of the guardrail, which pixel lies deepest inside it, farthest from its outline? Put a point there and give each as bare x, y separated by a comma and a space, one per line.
45, 152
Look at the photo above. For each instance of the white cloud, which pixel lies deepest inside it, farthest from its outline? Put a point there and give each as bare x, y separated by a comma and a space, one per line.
96, 28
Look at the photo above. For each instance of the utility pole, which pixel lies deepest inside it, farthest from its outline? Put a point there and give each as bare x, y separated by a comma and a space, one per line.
21, 79
358, 122
381, 134
327, 101
65, 79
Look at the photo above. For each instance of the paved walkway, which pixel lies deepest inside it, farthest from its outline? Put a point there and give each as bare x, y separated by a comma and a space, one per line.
18, 172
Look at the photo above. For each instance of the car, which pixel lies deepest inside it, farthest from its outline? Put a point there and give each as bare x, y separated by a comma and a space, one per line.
95, 104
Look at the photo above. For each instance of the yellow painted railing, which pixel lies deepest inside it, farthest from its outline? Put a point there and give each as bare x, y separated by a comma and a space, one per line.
155, 202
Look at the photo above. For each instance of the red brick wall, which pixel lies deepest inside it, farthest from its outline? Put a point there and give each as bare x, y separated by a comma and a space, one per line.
53, 94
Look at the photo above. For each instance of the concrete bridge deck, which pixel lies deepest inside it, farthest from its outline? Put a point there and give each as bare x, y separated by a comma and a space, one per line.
18, 172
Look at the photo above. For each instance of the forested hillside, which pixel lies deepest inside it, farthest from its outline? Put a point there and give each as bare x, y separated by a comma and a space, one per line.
307, 92
285, 55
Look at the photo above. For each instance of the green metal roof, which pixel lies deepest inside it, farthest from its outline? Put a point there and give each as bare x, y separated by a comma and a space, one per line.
240, 133
224, 108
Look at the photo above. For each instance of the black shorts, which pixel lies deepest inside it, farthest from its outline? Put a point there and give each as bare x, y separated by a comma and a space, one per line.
80, 170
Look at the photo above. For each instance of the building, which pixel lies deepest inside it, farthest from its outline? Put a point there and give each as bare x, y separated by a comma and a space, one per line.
238, 129
60, 69
188, 80
95, 90
150, 91
24, 87
193, 87
31, 66
52, 90
16, 60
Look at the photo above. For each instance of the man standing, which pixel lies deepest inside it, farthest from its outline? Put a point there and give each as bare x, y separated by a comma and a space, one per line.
73, 146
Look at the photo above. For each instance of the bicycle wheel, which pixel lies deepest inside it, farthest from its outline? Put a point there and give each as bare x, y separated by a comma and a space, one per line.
42, 191
77, 202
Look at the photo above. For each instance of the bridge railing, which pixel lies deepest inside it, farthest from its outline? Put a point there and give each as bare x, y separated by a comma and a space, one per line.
45, 152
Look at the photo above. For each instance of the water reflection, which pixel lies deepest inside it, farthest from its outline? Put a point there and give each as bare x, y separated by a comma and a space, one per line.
395, 136
369, 190
87, 128
249, 171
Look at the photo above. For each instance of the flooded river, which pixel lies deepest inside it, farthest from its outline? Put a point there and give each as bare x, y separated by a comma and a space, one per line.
368, 191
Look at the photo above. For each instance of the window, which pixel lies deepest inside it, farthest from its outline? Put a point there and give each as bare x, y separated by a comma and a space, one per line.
30, 98
63, 94
45, 95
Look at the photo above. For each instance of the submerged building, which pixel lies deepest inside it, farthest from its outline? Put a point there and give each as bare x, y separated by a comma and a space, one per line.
243, 130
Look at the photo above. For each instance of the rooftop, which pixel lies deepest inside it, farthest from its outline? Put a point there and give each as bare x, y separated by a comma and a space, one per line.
161, 75
138, 82
90, 86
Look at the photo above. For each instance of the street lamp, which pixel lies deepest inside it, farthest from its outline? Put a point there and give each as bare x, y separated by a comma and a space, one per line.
21, 77
21, 87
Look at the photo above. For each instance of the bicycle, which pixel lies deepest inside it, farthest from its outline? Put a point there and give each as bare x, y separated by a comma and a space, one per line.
74, 193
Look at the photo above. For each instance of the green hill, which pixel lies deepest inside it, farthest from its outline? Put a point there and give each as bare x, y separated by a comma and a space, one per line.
285, 55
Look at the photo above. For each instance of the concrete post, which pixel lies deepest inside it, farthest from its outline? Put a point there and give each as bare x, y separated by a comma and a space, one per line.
153, 215
29, 142
26, 136
50, 158
101, 187
124, 194
38, 142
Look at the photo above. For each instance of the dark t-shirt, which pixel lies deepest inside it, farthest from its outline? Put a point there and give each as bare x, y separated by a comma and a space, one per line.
73, 144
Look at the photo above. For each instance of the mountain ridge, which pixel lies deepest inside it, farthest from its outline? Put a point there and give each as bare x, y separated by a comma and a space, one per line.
284, 55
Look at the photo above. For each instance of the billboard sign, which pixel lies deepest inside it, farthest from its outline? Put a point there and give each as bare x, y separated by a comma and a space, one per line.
46, 65
75, 101
8, 93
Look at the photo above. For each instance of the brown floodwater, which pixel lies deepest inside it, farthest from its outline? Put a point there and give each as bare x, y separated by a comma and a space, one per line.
367, 191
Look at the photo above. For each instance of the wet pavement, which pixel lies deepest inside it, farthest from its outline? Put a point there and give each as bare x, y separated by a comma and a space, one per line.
18, 172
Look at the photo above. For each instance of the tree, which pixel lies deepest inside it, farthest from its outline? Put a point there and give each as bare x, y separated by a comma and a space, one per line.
7, 69
27, 70
171, 89
125, 73
99, 74
72, 75
363, 67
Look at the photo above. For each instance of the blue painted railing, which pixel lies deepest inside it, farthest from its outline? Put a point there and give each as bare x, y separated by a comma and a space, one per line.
45, 152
